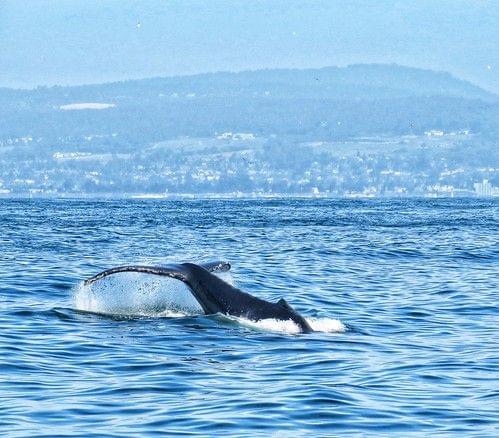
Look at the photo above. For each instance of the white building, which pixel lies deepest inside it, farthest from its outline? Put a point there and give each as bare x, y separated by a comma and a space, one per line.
485, 188
434, 133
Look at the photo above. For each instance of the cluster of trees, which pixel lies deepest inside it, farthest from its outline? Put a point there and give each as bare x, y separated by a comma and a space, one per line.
309, 118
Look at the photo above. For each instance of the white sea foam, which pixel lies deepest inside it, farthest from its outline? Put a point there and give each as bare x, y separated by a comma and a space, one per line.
324, 325
266, 325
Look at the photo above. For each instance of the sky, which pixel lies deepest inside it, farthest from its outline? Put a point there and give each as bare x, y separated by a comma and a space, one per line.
70, 42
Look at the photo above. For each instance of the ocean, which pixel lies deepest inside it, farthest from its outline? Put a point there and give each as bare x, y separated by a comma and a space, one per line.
402, 294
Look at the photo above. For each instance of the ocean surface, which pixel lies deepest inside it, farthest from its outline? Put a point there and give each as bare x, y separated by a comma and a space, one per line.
403, 295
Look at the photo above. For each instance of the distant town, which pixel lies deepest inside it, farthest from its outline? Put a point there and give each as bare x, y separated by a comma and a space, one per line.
243, 164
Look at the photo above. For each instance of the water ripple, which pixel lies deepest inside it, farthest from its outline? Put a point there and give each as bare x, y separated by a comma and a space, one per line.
414, 282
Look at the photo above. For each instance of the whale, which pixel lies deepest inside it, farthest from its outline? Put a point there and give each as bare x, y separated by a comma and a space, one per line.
214, 295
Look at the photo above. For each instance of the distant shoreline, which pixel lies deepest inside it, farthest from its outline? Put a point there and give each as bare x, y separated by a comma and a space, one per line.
230, 197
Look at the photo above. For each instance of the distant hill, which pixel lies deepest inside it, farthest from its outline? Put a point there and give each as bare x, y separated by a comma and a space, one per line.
359, 81
330, 102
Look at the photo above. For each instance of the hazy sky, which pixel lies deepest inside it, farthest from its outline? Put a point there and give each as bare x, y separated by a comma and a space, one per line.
74, 42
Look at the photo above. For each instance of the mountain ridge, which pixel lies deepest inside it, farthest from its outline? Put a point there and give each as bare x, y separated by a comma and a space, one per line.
391, 80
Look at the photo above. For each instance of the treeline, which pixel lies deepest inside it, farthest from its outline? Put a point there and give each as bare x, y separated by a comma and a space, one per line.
308, 118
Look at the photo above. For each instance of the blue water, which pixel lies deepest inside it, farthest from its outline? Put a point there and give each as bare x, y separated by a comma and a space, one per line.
414, 282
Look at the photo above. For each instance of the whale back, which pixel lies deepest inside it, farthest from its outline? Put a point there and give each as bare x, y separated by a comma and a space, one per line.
217, 296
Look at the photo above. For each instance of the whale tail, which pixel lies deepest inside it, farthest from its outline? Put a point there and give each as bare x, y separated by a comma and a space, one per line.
177, 271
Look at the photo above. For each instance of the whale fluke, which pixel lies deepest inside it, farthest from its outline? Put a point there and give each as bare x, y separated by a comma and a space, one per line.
172, 271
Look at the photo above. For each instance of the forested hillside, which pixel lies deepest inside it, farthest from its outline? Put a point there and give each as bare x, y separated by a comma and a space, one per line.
329, 103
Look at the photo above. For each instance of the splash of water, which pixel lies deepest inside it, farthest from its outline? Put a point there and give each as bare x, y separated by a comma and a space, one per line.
324, 325
136, 294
